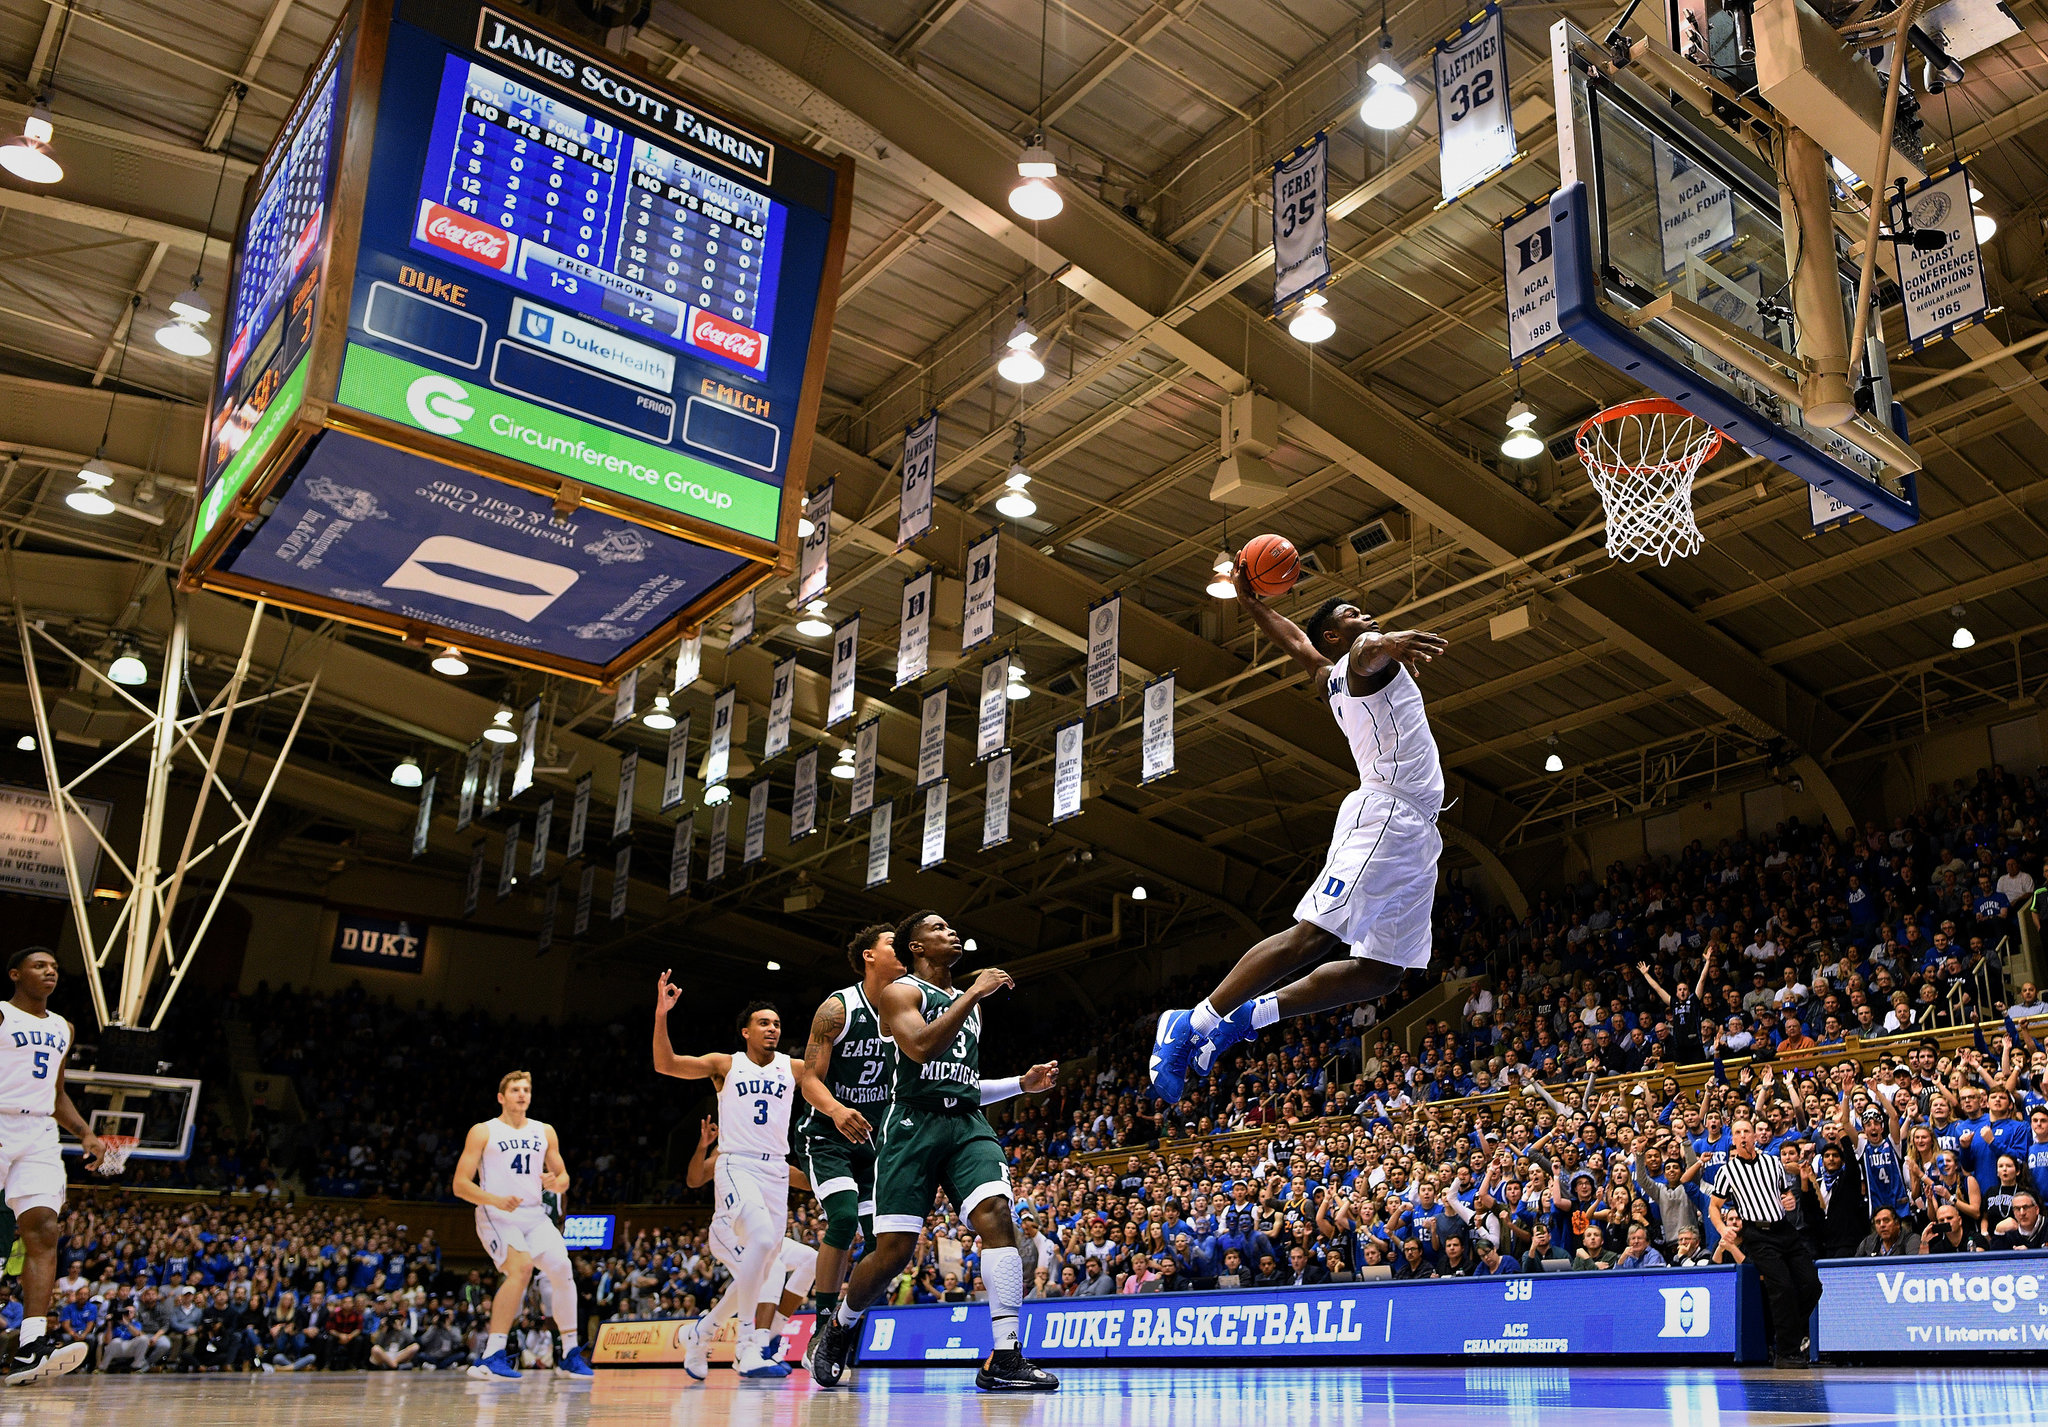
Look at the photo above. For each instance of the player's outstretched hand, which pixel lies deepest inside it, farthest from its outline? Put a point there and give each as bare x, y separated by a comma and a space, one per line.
92, 1149
1041, 1078
1412, 647
1245, 592
988, 981
666, 994
853, 1125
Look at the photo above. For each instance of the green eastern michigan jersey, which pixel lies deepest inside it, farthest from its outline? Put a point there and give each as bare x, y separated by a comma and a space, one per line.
952, 1077
859, 1071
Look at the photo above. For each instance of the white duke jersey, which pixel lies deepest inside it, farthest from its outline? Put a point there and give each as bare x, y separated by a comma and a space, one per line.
1389, 736
754, 1105
32, 1050
513, 1160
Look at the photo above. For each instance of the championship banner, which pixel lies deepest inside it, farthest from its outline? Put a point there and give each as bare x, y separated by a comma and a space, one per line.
586, 887
1825, 512
508, 862
867, 747
1104, 619
627, 699
721, 836
1695, 210
472, 784
622, 882
543, 829
978, 616
1301, 222
1475, 121
529, 739
679, 857
494, 779
1944, 290
473, 892
423, 821
878, 843
931, 737
544, 941
720, 757
675, 765
992, 721
803, 802
689, 662
742, 622
756, 844
781, 706
920, 463
1531, 270
932, 850
995, 811
1066, 771
914, 633
814, 556
579, 817
845, 655
1158, 734
622, 810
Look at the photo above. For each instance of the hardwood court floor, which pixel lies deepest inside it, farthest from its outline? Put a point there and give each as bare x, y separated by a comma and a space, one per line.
1093, 1397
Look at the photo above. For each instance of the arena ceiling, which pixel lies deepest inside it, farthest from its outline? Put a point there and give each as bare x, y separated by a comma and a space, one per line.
1771, 652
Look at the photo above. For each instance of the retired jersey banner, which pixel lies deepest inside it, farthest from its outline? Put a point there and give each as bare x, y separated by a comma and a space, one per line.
472, 784
742, 622
914, 634
1301, 222
1104, 621
978, 615
622, 810
1066, 771
529, 739
1944, 290
622, 881
586, 890
845, 657
932, 850
508, 862
1475, 121
689, 662
992, 720
679, 857
1158, 729
803, 802
544, 941
878, 843
675, 764
931, 737
494, 779
995, 811
579, 817
423, 820
756, 844
721, 838
1531, 271
627, 700
920, 464
867, 747
473, 892
543, 829
814, 556
781, 707
719, 759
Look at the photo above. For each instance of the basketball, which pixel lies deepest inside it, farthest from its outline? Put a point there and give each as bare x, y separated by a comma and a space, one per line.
1272, 565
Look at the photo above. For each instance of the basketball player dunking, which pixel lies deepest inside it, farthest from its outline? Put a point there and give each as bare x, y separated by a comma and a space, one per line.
507, 1164
1376, 890
33, 1043
756, 1091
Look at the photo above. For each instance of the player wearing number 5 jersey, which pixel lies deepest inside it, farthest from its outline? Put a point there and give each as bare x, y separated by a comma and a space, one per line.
756, 1091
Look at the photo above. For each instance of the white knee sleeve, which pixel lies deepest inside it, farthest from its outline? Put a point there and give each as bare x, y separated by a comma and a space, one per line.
560, 1279
800, 1263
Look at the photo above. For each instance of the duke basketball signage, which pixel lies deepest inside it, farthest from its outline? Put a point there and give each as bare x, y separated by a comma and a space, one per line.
380, 943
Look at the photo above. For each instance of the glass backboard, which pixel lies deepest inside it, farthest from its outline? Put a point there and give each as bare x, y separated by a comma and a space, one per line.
158, 1110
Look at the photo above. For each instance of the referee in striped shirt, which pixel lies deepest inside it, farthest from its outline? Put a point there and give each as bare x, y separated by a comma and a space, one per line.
1755, 1182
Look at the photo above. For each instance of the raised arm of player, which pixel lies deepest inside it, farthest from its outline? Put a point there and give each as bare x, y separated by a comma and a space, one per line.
714, 1066
698, 1173
849, 1121
554, 1174
67, 1117
901, 1009
1376, 653
1277, 626
466, 1188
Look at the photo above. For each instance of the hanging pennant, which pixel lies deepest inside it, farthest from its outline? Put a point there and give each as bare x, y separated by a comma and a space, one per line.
543, 828
756, 844
586, 886
845, 654
675, 766
1158, 732
1105, 618
689, 661
878, 843
1475, 122
914, 634
494, 779
714, 861
472, 784
508, 860
978, 611
529, 739
932, 851
1944, 289
867, 743
622, 810
814, 556
992, 722
423, 820
931, 737
627, 698
781, 705
1066, 771
920, 461
719, 759
1301, 223
473, 892
545, 941
742, 622
995, 811
622, 882
803, 802
1531, 271
679, 857
579, 817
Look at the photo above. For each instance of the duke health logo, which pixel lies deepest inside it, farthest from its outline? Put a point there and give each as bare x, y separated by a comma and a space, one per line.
1688, 1313
536, 323
439, 404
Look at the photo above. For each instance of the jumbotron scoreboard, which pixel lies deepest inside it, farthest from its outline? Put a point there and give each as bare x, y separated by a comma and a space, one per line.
524, 346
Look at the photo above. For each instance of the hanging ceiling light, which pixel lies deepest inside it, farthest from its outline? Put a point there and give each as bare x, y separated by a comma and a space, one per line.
1311, 323
501, 730
1138, 893
658, 717
1553, 764
1522, 442
803, 522
190, 311
968, 945
844, 767
1034, 199
1016, 503
814, 624
1987, 226
1019, 363
1962, 638
407, 773
1016, 688
1388, 103
717, 793
27, 154
1222, 585
128, 667
450, 662
26, 743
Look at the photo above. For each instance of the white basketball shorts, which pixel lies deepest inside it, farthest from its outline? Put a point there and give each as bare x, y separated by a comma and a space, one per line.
1377, 888
526, 1230
751, 1204
31, 1164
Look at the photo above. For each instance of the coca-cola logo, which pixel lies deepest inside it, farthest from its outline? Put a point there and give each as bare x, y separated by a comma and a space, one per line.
458, 233
742, 344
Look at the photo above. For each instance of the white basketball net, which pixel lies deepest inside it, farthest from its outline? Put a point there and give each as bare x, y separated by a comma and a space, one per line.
1642, 457
114, 1156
